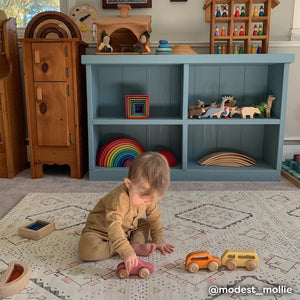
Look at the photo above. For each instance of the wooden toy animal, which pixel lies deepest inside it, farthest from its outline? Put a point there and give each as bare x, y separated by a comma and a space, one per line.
249, 111
262, 108
235, 110
200, 104
215, 111
270, 100
196, 112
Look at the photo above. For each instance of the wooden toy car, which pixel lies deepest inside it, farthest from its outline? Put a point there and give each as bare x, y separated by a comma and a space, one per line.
233, 258
201, 260
143, 269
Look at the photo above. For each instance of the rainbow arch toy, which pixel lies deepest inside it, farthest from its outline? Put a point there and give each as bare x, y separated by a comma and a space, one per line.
119, 152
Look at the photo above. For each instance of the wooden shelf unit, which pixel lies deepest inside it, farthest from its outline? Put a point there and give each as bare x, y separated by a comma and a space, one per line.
174, 83
248, 22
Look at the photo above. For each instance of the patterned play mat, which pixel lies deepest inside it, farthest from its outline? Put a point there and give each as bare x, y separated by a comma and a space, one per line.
267, 221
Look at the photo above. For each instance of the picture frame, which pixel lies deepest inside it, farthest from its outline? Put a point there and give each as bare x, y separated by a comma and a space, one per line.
132, 3
137, 106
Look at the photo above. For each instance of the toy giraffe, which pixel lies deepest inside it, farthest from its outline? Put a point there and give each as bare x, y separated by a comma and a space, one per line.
270, 100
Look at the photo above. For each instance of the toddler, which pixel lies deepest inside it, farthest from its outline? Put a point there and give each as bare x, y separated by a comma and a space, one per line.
116, 226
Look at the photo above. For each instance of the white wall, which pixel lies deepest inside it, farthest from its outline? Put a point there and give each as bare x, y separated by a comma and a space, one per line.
185, 21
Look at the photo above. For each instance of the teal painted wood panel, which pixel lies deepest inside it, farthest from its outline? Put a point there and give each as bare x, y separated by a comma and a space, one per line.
174, 83
255, 85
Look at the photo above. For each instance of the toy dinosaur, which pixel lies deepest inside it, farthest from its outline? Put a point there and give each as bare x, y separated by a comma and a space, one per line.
216, 111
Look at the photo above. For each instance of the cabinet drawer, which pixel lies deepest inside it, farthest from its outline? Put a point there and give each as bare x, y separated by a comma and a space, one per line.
50, 61
52, 107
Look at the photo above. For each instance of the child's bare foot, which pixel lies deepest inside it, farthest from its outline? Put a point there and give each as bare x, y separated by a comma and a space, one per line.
144, 249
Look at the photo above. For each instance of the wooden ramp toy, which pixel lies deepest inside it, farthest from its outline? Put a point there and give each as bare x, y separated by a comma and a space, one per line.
15, 279
227, 159
37, 229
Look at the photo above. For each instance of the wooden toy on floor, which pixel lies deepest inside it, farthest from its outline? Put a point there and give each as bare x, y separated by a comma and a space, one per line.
233, 258
201, 260
143, 269
15, 278
227, 159
37, 229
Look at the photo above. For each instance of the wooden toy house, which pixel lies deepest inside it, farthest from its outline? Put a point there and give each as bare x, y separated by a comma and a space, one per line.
225, 14
124, 31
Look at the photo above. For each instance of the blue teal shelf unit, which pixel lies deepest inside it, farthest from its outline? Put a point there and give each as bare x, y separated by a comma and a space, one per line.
173, 83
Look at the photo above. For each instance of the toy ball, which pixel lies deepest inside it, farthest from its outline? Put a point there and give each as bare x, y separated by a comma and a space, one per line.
169, 156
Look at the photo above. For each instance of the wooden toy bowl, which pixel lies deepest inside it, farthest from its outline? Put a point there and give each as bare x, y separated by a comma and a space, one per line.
15, 278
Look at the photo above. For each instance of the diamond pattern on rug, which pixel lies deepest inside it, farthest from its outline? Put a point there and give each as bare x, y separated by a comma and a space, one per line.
267, 221
213, 216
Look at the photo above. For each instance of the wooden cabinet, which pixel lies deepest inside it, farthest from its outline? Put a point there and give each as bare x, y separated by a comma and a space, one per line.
13, 154
175, 82
56, 106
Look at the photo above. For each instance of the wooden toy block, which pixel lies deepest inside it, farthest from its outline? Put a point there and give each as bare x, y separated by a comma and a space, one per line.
37, 229
15, 278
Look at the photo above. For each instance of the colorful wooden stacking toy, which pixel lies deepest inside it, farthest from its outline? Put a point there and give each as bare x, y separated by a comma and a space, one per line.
163, 48
119, 153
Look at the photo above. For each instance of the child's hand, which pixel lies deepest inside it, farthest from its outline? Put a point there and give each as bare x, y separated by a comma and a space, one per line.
164, 247
130, 261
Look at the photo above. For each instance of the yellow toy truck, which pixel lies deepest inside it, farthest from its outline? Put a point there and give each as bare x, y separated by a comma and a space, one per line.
233, 258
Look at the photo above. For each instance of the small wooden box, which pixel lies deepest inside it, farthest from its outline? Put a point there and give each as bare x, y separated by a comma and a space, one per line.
37, 229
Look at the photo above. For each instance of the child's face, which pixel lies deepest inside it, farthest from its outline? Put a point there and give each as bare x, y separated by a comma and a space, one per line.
139, 193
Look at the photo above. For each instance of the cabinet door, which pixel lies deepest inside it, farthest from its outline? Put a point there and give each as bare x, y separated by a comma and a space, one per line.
50, 61
52, 113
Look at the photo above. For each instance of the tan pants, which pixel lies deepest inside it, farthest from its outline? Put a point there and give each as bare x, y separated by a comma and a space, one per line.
92, 246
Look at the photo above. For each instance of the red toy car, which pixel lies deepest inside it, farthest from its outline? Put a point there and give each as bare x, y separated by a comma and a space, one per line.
143, 269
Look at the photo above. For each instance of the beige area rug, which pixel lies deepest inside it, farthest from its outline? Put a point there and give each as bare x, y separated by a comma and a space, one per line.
267, 221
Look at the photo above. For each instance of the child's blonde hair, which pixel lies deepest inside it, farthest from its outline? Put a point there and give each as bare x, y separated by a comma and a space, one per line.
153, 168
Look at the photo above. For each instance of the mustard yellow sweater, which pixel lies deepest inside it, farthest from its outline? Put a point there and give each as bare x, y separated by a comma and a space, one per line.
115, 217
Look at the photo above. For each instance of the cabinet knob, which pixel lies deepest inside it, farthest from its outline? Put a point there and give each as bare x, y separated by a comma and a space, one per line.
43, 107
45, 67
67, 72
